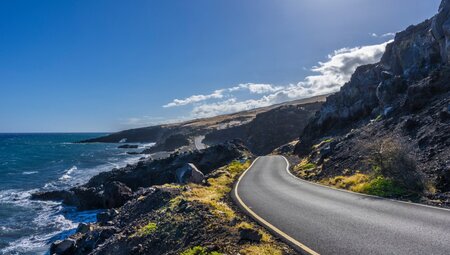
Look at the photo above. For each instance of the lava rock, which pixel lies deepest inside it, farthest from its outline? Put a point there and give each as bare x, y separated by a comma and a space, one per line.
248, 234
128, 146
63, 247
189, 174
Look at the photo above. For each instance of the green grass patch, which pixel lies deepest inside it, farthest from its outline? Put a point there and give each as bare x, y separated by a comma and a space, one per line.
305, 168
199, 250
381, 186
146, 230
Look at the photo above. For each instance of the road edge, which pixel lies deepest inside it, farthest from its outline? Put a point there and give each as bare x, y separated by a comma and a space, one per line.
298, 246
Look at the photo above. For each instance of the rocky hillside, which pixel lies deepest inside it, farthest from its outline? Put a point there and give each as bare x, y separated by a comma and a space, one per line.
391, 120
262, 129
268, 130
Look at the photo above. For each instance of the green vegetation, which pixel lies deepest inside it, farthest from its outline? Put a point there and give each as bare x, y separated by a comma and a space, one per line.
328, 140
305, 168
379, 117
199, 250
146, 230
381, 186
368, 184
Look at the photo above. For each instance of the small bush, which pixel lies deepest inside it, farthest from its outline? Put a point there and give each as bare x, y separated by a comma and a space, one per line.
392, 158
199, 250
305, 168
381, 186
146, 230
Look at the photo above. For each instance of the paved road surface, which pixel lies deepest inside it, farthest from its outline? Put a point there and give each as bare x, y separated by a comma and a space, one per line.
330, 221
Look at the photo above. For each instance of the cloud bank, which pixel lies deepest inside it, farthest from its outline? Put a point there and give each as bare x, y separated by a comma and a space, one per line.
328, 76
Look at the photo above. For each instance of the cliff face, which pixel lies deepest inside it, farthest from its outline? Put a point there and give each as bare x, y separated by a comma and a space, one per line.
404, 98
381, 88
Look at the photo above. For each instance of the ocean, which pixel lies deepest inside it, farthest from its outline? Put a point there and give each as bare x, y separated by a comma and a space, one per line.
37, 162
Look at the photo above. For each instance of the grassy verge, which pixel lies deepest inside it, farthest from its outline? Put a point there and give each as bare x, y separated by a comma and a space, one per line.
215, 195
367, 184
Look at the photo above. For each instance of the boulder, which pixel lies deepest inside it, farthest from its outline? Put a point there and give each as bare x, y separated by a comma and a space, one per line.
189, 174
108, 215
62, 247
128, 146
116, 194
66, 196
248, 234
84, 228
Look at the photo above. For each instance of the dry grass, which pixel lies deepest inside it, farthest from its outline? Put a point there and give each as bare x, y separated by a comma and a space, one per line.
347, 182
219, 187
262, 249
214, 196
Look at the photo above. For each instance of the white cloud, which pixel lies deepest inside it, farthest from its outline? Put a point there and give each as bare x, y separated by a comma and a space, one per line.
328, 77
383, 35
331, 75
195, 98
253, 88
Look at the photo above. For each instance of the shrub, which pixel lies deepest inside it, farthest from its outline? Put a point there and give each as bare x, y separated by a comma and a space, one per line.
392, 158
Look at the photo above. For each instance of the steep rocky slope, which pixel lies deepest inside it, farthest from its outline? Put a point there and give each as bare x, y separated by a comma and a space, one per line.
400, 103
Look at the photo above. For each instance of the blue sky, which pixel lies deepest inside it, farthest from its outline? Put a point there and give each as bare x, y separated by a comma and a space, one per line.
110, 65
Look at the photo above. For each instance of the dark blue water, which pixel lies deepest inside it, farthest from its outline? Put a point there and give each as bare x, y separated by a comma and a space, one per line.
35, 162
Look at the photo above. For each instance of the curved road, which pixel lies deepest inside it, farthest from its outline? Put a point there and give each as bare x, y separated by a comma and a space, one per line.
330, 221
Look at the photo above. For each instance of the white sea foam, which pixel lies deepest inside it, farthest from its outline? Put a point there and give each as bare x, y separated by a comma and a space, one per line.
67, 174
53, 220
146, 145
29, 172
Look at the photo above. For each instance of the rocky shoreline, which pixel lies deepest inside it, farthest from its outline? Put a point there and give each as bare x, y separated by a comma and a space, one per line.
153, 207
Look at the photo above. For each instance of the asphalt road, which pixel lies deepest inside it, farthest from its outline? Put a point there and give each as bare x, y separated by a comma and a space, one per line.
330, 221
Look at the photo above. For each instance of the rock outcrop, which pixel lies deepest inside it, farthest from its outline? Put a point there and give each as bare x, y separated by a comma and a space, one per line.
417, 53
189, 174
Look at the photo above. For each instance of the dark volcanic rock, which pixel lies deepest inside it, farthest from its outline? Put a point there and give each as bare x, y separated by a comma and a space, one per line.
247, 234
406, 76
64, 247
189, 174
128, 146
